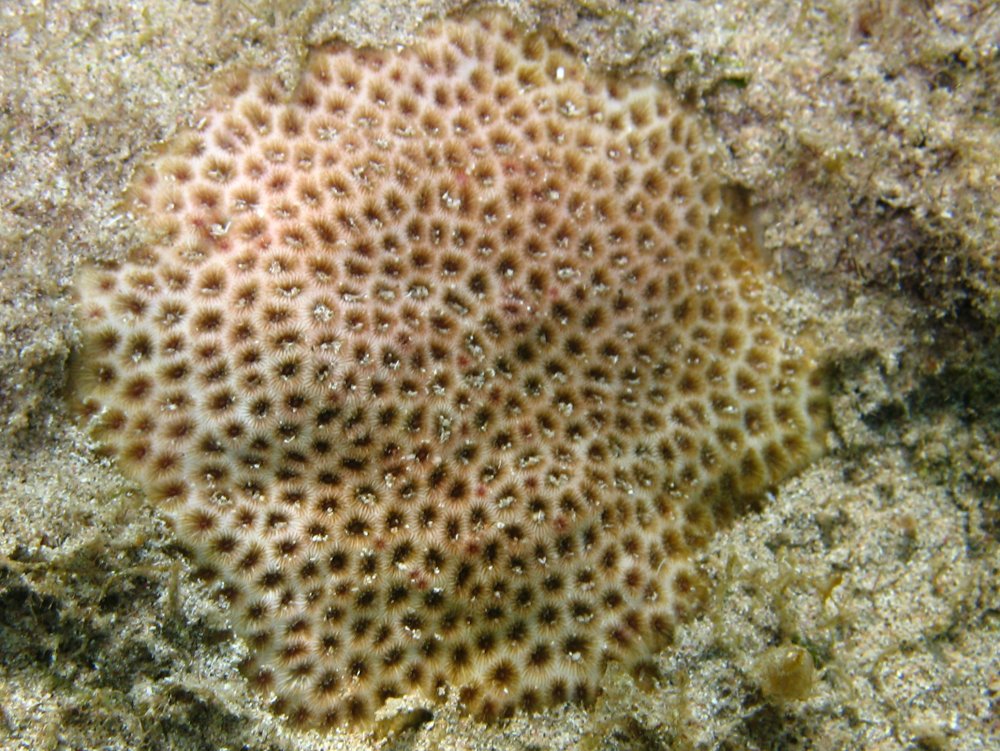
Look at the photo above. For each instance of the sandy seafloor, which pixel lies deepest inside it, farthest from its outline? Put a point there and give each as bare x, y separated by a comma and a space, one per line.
863, 135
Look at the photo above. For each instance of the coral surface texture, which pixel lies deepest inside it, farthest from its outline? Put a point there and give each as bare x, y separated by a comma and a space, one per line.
444, 366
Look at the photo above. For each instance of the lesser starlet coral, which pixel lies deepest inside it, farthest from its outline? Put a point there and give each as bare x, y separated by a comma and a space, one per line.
446, 364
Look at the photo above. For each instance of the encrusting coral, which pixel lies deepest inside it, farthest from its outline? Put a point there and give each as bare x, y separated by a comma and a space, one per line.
445, 365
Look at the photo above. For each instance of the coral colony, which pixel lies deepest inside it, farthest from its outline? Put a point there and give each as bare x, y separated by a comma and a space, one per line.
445, 365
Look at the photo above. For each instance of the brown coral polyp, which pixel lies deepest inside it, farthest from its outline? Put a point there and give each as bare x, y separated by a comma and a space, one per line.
446, 365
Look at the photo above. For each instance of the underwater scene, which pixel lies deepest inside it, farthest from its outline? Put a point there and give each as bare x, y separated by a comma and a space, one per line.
563, 375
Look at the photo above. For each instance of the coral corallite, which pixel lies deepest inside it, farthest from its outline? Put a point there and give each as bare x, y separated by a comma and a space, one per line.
446, 364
